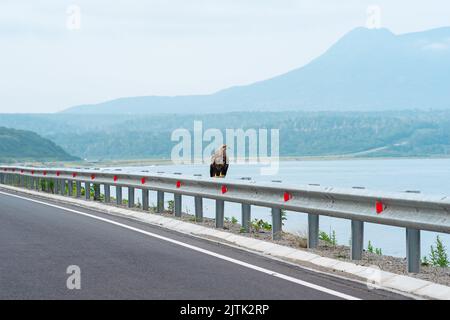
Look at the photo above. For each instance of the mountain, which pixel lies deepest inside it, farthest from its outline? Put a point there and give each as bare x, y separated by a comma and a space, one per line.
27, 145
366, 70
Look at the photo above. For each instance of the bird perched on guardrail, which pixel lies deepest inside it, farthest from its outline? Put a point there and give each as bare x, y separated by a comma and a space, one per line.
219, 162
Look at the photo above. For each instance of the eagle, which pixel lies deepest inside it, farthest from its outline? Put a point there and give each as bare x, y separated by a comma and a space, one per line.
219, 162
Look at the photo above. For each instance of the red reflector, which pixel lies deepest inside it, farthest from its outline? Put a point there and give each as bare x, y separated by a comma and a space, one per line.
115, 178
379, 207
45, 173
224, 189
57, 173
92, 176
21, 171
178, 184
32, 171
143, 181
287, 196
74, 174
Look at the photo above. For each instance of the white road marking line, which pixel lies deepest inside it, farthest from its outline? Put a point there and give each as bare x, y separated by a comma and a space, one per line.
210, 253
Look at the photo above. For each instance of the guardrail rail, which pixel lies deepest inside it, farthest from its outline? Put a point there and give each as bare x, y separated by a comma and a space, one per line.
414, 212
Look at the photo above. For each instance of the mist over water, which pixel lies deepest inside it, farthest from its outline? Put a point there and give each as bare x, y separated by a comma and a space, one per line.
429, 176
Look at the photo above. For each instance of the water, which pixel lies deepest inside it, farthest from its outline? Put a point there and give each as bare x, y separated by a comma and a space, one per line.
429, 176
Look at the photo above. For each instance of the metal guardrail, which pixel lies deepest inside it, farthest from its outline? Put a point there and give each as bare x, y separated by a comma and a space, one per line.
412, 211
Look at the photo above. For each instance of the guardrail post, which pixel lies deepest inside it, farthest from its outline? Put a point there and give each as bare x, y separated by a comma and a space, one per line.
87, 190
220, 206
413, 250
276, 224
313, 230
70, 188
119, 195
55, 186
78, 187
357, 239
246, 216
198, 208
63, 187
130, 197
145, 199
107, 188
96, 192
160, 201
177, 204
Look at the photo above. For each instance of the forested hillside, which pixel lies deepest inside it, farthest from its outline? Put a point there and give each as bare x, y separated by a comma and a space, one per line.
16, 145
400, 133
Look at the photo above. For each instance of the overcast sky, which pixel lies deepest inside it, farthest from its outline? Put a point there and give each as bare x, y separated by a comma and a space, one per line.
51, 60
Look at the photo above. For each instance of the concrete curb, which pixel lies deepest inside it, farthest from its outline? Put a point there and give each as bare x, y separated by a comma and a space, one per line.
374, 277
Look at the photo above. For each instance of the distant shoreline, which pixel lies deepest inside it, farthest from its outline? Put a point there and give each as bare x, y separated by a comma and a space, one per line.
160, 161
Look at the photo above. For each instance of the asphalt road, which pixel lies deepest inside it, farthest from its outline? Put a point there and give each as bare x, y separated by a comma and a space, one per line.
38, 242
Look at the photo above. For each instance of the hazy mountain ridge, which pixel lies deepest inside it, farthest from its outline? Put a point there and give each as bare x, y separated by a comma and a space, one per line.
366, 70
367, 134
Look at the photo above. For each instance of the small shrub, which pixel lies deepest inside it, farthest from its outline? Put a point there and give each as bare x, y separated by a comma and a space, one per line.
329, 238
170, 205
258, 225
372, 249
324, 237
438, 256
234, 220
